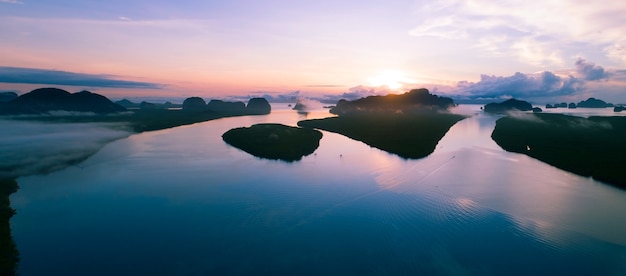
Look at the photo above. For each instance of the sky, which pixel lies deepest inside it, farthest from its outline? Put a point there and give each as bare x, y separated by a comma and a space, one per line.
542, 51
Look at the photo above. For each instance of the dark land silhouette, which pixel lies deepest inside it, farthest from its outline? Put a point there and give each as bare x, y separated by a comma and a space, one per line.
274, 141
41, 102
258, 106
408, 136
194, 104
255, 106
225, 106
589, 147
7, 96
44, 100
409, 125
416, 100
588, 103
509, 105
147, 105
594, 103
9, 256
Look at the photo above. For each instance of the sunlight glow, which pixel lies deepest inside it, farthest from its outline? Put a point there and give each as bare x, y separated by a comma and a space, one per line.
392, 79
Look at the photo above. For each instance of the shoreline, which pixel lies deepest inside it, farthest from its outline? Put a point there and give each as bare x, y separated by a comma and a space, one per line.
411, 136
590, 147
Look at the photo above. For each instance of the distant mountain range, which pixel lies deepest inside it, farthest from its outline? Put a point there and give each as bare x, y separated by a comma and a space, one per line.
44, 100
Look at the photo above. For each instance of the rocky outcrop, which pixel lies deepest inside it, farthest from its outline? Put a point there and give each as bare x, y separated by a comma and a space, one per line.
594, 103
222, 106
508, 105
258, 106
194, 104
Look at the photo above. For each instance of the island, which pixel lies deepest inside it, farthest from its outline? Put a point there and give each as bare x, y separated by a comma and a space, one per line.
408, 125
592, 147
416, 100
274, 141
594, 103
509, 105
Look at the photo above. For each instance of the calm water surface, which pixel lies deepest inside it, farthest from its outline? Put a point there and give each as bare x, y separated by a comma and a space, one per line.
182, 202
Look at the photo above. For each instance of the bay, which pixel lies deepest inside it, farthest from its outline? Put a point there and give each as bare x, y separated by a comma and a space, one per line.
182, 202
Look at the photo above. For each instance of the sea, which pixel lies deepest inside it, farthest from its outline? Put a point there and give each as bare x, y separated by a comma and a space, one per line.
181, 201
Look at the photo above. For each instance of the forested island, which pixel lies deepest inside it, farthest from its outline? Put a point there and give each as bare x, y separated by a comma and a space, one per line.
409, 125
414, 101
274, 141
592, 147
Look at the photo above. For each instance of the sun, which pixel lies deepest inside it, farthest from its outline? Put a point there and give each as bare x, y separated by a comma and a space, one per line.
392, 79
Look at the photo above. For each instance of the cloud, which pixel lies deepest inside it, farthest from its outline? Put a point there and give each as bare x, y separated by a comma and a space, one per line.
11, 1
34, 147
590, 71
289, 97
531, 31
354, 93
582, 80
54, 77
324, 85
525, 116
519, 85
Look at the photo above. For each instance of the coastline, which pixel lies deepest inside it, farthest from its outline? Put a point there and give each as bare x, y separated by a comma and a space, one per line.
591, 147
408, 136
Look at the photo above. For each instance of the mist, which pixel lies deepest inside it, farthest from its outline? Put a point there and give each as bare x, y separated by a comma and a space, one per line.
28, 147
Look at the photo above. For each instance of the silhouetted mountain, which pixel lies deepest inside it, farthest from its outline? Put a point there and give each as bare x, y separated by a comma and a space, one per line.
415, 100
594, 103
147, 105
222, 106
258, 106
508, 105
6, 97
194, 104
44, 100
127, 103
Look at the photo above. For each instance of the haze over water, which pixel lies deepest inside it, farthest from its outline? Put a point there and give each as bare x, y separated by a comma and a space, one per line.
182, 202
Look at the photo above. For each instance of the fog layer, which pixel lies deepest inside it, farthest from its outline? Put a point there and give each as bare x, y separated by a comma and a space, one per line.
35, 147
